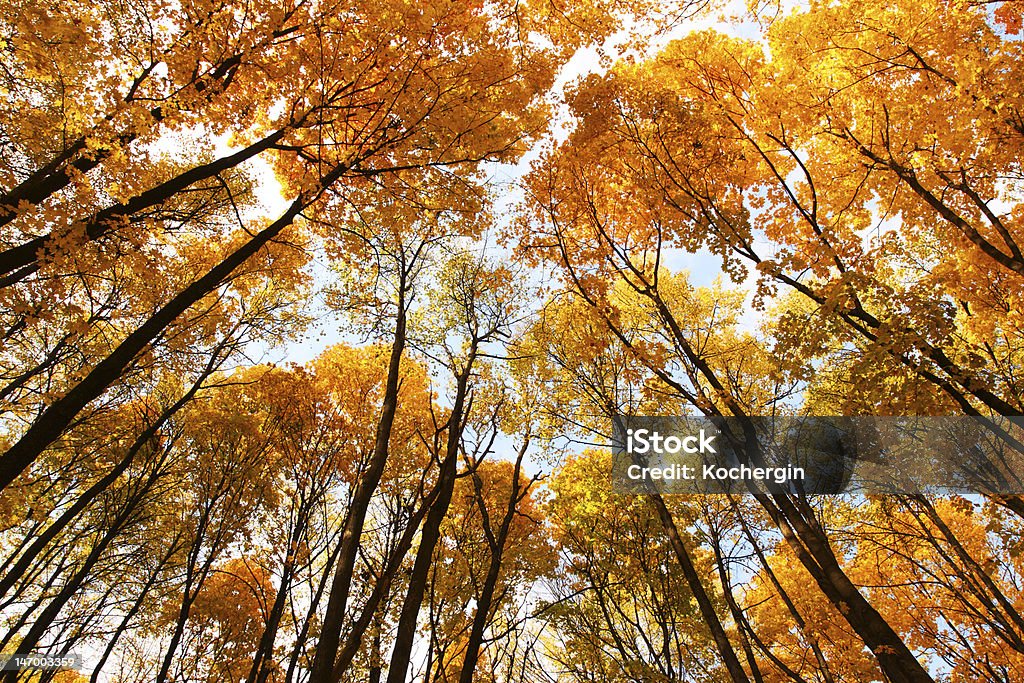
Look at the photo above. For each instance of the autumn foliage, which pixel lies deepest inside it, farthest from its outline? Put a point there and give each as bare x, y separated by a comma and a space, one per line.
315, 317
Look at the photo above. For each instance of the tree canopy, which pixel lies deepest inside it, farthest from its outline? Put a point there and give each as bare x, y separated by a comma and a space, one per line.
317, 319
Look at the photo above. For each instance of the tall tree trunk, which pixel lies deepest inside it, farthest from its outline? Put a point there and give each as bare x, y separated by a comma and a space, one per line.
693, 580
815, 553
195, 578
113, 638
801, 623
485, 599
303, 636
24, 258
734, 608
74, 582
337, 602
63, 564
800, 529
69, 515
261, 662
353, 640
402, 652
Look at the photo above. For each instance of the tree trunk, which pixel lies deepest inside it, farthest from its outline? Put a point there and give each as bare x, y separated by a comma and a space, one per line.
135, 608
815, 554
51, 532
24, 258
260, 670
485, 599
330, 634
55, 419
707, 610
380, 589
402, 652
46, 618
801, 624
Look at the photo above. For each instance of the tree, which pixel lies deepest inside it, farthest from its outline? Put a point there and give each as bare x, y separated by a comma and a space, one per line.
378, 110
623, 611
598, 246
429, 500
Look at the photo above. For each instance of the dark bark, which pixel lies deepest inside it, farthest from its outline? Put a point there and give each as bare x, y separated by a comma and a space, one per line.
69, 515
58, 172
337, 602
18, 262
303, 636
196, 572
55, 418
799, 527
63, 563
815, 553
1004, 619
431, 533
496, 543
51, 178
262, 660
801, 623
136, 607
382, 585
734, 609
693, 580
85, 569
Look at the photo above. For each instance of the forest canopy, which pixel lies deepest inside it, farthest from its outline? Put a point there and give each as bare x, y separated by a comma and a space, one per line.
316, 317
